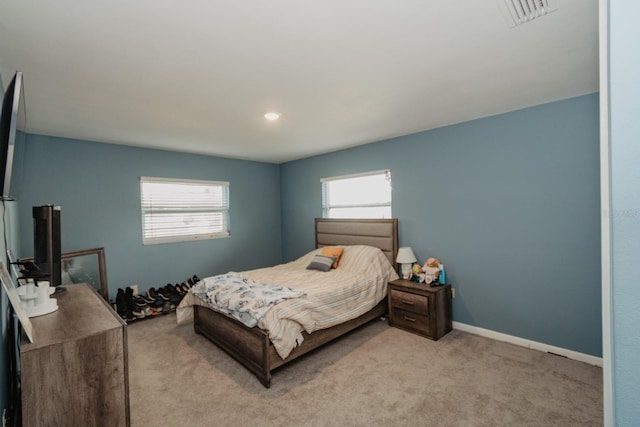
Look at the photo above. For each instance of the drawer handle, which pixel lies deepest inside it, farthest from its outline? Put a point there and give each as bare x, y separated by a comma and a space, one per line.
409, 319
404, 301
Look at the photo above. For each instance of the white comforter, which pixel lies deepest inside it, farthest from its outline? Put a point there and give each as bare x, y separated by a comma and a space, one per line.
333, 297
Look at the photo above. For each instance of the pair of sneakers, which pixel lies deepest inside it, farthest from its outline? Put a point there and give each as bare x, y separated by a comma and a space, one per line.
162, 299
127, 306
175, 293
145, 305
187, 284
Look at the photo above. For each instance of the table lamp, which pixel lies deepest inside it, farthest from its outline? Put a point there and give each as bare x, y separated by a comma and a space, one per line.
406, 258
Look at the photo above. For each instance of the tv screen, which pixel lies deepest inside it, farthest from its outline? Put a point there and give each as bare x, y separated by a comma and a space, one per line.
12, 134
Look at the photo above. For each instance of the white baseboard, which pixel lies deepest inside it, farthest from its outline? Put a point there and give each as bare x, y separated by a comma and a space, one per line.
498, 336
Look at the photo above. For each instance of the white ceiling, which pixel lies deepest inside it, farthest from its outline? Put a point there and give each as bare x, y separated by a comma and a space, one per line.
197, 76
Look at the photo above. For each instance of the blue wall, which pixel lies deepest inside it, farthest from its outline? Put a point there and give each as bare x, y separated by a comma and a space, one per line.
97, 187
510, 204
624, 110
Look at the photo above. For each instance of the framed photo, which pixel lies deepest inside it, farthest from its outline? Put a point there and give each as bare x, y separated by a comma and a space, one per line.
86, 266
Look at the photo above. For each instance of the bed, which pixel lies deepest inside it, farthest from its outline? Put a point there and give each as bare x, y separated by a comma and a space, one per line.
252, 346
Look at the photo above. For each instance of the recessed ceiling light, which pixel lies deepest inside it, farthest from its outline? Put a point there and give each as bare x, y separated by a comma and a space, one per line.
272, 115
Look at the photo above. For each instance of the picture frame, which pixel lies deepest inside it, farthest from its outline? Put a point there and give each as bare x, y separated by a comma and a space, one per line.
85, 266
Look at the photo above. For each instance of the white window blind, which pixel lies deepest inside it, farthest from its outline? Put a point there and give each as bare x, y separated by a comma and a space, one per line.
175, 210
366, 195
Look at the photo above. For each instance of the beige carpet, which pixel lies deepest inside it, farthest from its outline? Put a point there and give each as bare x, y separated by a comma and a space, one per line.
375, 376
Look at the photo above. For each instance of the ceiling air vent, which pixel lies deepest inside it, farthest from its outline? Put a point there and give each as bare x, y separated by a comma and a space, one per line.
517, 12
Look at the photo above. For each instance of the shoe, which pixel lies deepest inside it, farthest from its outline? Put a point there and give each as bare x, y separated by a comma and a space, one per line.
168, 307
174, 296
146, 298
163, 294
154, 295
147, 311
138, 313
170, 290
134, 309
121, 304
140, 302
178, 290
129, 317
128, 298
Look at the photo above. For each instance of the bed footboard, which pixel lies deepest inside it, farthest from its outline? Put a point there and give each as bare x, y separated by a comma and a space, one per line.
251, 346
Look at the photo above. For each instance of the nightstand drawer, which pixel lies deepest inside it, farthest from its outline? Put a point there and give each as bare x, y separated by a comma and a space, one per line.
410, 302
409, 320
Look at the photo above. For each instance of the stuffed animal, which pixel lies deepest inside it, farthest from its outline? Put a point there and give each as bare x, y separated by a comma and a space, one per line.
416, 273
431, 270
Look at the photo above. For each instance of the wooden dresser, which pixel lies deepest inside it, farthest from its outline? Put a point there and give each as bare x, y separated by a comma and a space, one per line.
75, 372
420, 308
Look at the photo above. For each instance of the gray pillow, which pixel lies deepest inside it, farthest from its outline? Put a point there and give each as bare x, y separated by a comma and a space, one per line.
321, 263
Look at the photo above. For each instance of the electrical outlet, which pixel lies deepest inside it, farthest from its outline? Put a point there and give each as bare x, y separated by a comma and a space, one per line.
134, 288
453, 293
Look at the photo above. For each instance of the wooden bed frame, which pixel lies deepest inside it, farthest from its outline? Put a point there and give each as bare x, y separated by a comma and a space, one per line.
251, 346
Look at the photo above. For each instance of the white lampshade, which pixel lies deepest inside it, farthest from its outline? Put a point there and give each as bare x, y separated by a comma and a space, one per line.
405, 255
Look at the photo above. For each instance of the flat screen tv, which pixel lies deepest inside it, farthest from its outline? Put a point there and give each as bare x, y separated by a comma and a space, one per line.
12, 134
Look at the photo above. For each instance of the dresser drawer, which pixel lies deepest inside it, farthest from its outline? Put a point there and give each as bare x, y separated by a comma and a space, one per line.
409, 320
410, 302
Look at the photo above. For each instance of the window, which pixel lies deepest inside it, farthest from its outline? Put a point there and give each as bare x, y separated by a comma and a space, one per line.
177, 210
366, 195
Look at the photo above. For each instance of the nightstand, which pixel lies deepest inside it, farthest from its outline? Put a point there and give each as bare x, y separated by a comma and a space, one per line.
420, 308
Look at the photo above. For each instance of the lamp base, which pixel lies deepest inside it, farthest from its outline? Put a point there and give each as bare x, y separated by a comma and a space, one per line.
406, 271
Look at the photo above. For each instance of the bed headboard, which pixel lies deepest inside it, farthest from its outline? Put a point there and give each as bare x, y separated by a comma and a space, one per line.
381, 233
